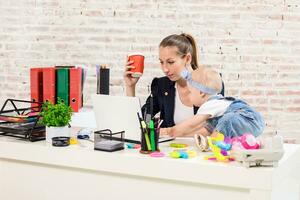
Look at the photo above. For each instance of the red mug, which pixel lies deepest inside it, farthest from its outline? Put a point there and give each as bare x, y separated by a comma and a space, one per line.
138, 63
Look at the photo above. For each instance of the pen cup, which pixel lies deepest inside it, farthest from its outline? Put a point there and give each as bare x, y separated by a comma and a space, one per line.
149, 141
102, 73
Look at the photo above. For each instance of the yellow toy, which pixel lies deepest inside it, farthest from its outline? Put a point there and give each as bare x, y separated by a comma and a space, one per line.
178, 145
219, 148
73, 140
185, 154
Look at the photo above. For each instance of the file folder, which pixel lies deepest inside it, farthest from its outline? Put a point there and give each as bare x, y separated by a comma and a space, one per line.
76, 88
65, 67
49, 84
62, 85
36, 86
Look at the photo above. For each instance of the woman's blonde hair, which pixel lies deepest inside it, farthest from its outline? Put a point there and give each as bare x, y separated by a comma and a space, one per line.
185, 44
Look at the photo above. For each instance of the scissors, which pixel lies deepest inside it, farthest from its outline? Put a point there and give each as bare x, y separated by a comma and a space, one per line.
84, 134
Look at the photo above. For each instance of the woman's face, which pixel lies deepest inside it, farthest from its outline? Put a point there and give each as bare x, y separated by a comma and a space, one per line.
171, 63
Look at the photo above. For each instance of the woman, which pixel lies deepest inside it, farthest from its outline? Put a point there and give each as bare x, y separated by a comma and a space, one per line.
170, 93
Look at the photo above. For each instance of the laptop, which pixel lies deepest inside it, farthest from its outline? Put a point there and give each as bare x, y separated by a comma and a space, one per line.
119, 113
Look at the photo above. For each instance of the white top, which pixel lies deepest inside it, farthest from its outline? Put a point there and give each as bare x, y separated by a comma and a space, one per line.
214, 108
181, 111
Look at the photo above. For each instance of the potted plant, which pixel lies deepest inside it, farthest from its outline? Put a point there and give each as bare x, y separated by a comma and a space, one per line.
56, 118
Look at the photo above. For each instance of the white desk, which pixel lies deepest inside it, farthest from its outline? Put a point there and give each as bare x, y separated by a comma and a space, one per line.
37, 171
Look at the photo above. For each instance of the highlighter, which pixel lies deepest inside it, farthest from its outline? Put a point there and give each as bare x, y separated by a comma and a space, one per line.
146, 135
152, 135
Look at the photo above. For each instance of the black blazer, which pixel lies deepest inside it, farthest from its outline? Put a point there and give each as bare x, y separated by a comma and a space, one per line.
163, 92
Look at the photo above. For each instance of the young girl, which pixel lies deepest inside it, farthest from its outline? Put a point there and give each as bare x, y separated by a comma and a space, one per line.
170, 93
229, 116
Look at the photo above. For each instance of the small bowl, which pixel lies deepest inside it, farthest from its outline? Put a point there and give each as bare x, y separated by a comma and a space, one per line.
60, 141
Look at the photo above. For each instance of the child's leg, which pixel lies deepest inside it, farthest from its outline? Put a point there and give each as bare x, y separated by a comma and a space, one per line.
233, 124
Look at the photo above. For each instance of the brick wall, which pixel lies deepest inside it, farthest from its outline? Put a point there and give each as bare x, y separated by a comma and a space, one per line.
254, 43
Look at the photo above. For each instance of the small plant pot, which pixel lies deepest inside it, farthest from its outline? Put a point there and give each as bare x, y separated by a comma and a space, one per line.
56, 132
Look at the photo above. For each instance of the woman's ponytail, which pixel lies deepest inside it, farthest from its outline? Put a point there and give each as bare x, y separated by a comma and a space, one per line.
194, 51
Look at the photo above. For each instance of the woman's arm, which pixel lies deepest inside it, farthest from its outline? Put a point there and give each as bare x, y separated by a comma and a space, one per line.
188, 127
130, 81
130, 91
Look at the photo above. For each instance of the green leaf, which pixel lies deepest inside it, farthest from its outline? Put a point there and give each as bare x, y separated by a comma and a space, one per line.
55, 114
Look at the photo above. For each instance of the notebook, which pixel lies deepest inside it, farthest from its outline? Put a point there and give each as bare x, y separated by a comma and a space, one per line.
119, 113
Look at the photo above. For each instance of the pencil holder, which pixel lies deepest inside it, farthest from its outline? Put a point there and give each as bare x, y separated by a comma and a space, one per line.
149, 141
102, 73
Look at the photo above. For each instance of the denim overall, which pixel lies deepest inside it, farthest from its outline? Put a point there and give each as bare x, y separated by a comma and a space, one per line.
239, 118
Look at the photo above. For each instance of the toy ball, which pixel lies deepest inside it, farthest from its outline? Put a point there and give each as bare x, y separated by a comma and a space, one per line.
248, 141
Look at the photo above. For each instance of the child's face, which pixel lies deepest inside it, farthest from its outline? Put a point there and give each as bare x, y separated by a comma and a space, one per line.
171, 63
197, 97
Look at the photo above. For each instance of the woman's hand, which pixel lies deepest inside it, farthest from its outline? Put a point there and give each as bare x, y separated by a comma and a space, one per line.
166, 131
129, 80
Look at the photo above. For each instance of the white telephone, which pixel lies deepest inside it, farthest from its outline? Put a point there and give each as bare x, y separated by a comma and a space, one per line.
269, 154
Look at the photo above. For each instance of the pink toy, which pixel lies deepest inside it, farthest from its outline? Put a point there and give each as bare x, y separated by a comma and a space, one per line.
157, 154
249, 141
246, 141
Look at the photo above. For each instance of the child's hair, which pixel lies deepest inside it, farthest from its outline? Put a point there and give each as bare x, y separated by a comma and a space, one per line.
208, 77
185, 44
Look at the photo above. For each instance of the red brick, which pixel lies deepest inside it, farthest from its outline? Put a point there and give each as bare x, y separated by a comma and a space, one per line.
290, 93
294, 109
252, 93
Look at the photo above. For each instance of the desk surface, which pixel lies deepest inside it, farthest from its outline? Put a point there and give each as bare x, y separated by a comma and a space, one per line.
131, 162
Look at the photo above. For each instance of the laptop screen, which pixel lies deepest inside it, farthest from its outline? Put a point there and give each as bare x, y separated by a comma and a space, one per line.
118, 113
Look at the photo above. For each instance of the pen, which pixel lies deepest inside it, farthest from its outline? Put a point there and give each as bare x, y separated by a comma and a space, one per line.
152, 136
159, 124
146, 136
151, 105
151, 125
98, 78
144, 131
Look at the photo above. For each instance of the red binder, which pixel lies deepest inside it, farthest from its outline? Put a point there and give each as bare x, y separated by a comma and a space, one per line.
49, 84
36, 86
75, 88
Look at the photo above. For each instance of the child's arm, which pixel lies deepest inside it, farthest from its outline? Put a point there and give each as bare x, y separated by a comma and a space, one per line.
188, 127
